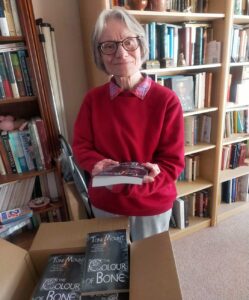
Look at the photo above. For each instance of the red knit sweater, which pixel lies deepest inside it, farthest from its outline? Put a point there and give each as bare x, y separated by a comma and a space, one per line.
130, 129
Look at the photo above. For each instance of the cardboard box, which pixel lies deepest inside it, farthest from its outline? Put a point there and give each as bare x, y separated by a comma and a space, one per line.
153, 272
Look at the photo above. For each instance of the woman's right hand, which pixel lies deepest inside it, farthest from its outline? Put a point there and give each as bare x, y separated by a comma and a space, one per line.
103, 164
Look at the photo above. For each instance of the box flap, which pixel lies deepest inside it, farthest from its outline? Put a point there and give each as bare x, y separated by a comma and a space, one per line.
66, 237
17, 274
153, 270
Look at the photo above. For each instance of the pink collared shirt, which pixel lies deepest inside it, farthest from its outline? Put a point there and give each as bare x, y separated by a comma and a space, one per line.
139, 90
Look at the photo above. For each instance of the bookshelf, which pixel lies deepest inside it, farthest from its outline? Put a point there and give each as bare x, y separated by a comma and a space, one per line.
39, 104
222, 18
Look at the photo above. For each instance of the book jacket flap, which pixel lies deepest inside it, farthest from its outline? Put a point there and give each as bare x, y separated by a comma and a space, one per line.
153, 273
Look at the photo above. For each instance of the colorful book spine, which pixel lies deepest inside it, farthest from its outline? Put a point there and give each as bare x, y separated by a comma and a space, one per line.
9, 17
17, 150
18, 73
36, 145
27, 149
5, 140
5, 80
25, 71
11, 74
3, 21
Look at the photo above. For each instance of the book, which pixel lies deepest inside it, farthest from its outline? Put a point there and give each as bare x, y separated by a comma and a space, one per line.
16, 17
106, 269
9, 17
5, 80
15, 214
3, 21
10, 228
61, 277
22, 55
18, 73
116, 296
10, 157
27, 149
183, 86
179, 213
124, 173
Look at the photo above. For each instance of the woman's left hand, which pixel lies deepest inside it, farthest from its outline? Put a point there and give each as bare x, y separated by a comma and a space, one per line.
154, 170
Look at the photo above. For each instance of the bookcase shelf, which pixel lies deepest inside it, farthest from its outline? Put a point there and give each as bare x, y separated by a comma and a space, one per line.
198, 148
236, 138
228, 174
221, 15
147, 16
15, 177
199, 111
195, 224
174, 70
185, 188
228, 210
35, 81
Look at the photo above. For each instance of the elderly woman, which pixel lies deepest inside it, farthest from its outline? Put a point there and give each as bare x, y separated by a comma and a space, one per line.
130, 118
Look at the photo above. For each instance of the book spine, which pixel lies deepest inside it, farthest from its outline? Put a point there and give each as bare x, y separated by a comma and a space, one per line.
9, 17
17, 151
11, 74
18, 73
2, 167
35, 144
44, 142
25, 72
3, 21
16, 17
27, 149
5, 140
5, 80
5, 158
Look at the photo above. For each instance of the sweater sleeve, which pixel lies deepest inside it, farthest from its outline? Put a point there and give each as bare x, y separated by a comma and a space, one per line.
83, 140
169, 154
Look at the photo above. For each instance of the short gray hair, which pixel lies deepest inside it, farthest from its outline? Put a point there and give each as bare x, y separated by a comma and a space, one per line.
131, 23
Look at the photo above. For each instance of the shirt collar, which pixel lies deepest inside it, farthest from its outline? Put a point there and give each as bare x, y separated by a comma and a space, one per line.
139, 90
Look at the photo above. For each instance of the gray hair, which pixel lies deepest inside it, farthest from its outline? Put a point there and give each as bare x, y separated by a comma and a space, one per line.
131, 23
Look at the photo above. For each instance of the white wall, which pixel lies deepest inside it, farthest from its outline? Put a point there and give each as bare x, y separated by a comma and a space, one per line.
64, 16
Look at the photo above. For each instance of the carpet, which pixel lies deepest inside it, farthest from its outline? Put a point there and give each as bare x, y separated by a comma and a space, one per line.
213, 263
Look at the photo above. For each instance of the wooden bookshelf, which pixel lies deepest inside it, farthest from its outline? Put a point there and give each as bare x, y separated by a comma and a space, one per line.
37, 105
220, 14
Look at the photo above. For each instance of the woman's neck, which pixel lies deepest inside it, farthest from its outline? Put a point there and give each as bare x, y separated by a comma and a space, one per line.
129, 82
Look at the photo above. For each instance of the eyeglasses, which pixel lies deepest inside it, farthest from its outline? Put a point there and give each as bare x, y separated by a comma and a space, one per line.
110, 47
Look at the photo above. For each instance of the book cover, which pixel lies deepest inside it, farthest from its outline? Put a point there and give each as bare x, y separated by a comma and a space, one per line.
116, 296
178, 212
15, 214
124, 173
27, 149
106, 269
6, 144
183, 86
61, 278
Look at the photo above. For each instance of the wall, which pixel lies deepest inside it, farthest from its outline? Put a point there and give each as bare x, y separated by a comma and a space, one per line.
64, 16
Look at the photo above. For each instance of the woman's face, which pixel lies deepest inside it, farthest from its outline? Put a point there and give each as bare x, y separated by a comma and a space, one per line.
122, 63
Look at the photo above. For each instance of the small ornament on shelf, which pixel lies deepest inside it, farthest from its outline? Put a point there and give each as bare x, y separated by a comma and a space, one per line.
136, 4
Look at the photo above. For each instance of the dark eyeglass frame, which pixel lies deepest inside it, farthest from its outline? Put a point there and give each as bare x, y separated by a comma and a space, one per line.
116, 43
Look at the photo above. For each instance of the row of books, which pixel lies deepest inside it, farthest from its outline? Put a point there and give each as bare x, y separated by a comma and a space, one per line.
101, 272
195, 6
25, 150
236, 122
16, 194
191, 169
193, 90
238, 81
15, 78
197, 129
9, 18
183, 44
241, 7
240, 43
192, 205
235, 189
234, 155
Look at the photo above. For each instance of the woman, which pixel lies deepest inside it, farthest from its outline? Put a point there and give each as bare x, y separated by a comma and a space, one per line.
131, 118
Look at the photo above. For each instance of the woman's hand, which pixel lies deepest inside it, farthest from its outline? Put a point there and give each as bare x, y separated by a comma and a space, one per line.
102, 164
154, 170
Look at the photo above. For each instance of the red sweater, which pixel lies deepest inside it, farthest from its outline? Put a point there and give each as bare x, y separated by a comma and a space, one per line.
128, 128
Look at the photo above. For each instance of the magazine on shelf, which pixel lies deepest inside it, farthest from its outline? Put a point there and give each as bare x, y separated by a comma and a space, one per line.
124, 173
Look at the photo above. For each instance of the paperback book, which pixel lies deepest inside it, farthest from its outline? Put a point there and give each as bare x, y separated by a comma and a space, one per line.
61, 278
16, 214
124, 173
106, 269
116, 296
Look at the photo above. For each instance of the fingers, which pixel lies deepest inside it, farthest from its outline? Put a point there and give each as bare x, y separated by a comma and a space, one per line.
154, 170
102, 164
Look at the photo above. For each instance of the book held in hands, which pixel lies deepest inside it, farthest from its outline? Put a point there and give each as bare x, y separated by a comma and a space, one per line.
124, 173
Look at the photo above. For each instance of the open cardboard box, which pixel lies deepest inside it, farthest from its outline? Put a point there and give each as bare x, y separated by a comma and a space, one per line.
153, 272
